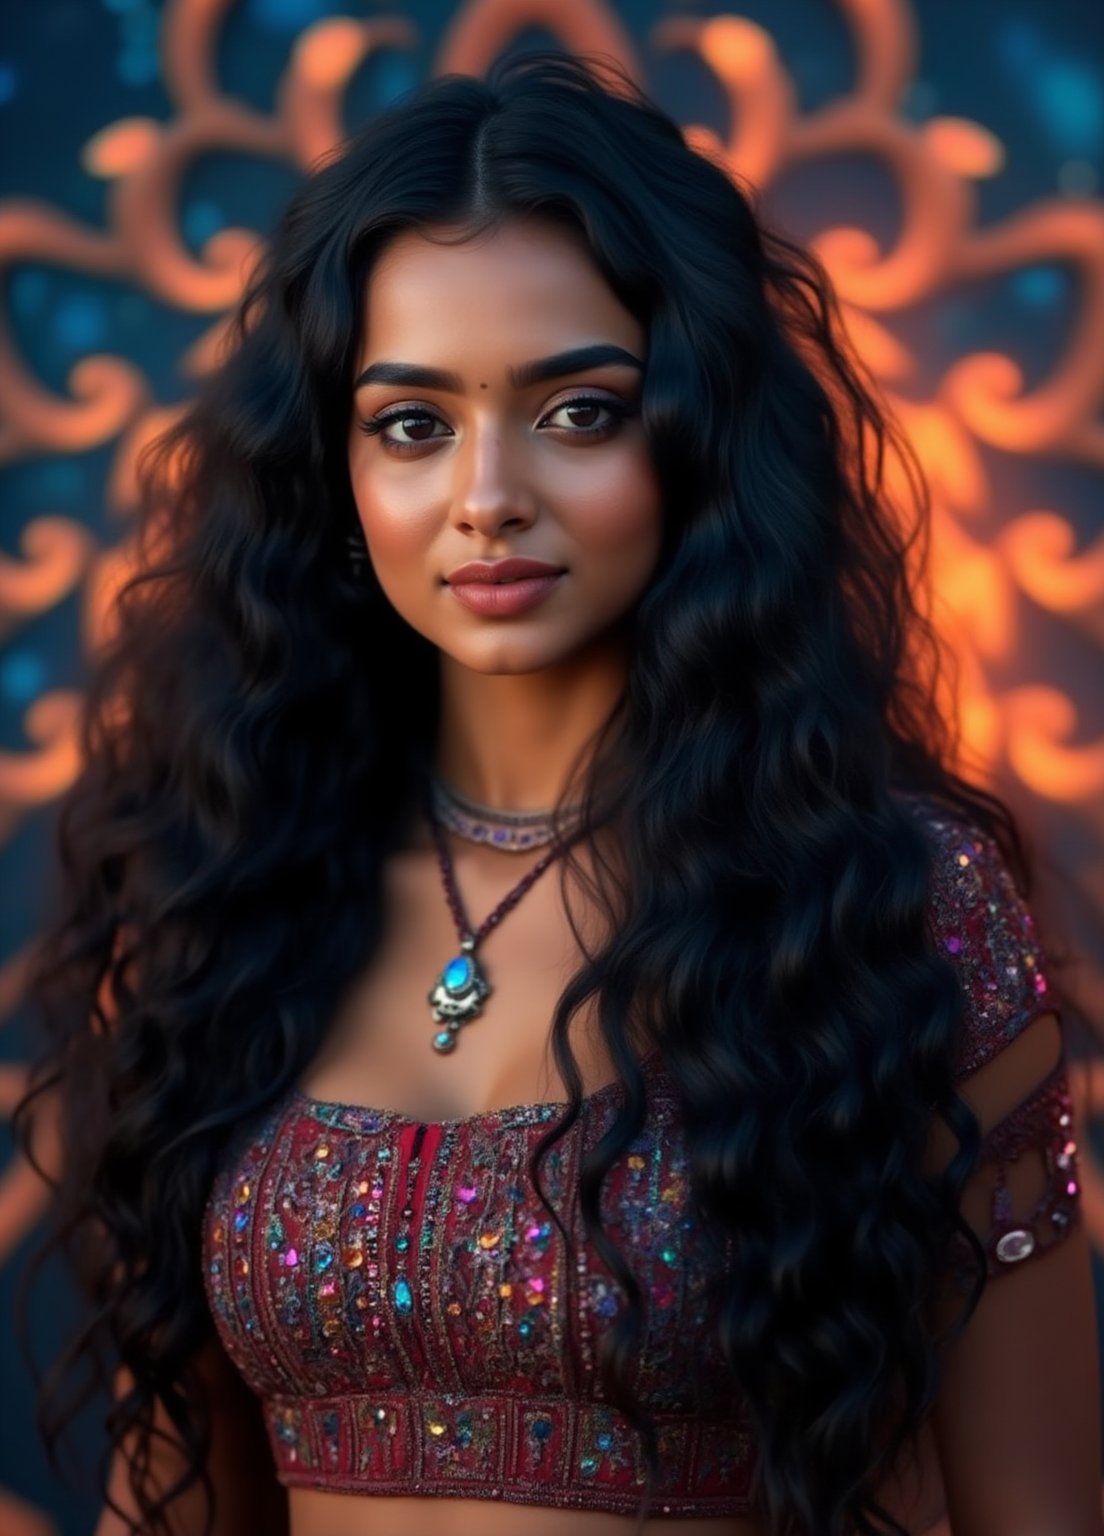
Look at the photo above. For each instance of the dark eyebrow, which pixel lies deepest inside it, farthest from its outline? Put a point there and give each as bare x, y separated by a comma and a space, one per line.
535, 372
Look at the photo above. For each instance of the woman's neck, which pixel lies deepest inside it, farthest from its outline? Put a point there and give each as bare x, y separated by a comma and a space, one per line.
517, 741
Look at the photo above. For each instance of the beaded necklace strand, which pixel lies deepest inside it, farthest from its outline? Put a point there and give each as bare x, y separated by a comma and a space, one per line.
462, 987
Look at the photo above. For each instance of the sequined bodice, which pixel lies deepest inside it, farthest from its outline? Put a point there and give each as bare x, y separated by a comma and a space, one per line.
355, 1255
404, 1307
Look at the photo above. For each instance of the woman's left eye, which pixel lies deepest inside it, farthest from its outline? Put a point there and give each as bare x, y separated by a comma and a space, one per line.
588, 404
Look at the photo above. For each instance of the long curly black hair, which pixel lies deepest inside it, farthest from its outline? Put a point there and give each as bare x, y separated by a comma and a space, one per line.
219, 879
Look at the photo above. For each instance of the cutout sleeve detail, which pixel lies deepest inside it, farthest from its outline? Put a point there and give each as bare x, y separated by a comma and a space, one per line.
1027, 1181
1042, 1126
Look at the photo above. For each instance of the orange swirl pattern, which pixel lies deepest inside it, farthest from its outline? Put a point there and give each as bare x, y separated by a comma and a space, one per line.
1029, 736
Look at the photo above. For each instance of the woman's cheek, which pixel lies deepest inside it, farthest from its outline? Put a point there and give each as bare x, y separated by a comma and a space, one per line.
397, 528
614, 502
626, 522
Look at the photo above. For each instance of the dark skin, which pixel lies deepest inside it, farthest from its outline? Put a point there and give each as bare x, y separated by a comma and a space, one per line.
483, 469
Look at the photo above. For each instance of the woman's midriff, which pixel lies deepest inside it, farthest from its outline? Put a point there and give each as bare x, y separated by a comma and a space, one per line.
340, 1514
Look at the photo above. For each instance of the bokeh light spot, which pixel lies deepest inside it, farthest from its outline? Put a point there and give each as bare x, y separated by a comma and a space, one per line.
202, 219
80, 322
1069, 102
1039, 287
22, 676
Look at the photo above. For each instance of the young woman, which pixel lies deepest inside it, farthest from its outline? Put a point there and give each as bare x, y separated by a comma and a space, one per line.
544, 1039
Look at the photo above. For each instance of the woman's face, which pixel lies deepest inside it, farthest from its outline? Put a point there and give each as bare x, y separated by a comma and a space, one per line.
487, 440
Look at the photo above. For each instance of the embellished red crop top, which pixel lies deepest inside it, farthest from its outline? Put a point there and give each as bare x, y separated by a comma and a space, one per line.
397, 1297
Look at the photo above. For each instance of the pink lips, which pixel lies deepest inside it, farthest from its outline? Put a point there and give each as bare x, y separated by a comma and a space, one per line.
500, 588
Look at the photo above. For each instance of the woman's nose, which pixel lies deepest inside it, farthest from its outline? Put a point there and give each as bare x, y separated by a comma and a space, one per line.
492, 492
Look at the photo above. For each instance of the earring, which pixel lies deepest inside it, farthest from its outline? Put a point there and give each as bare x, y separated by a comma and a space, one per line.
357, 551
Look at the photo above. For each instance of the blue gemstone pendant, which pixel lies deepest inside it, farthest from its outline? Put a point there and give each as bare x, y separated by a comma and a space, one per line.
458, 996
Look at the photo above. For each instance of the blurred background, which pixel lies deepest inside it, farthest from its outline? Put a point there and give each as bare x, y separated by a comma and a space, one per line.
945, 159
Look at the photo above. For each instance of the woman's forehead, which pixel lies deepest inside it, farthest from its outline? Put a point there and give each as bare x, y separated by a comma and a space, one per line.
534, 289
538, 249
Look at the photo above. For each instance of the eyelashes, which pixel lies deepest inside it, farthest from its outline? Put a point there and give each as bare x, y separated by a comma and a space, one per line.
376, 426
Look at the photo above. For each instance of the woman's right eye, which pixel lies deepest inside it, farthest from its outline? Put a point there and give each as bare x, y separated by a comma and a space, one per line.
408, 419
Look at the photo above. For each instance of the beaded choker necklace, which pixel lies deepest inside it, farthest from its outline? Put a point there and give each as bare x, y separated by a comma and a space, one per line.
512, 831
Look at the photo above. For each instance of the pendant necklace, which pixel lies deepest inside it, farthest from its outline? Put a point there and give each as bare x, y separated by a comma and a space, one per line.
462, 987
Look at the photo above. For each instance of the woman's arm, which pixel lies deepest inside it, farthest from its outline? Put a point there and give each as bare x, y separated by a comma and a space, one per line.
1017, 1422
247, 1495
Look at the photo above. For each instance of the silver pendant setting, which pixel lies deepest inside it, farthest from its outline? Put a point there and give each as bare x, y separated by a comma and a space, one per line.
458, 996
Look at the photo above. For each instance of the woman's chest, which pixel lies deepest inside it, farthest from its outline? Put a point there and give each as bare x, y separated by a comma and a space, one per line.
348, 1250
379, 1048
